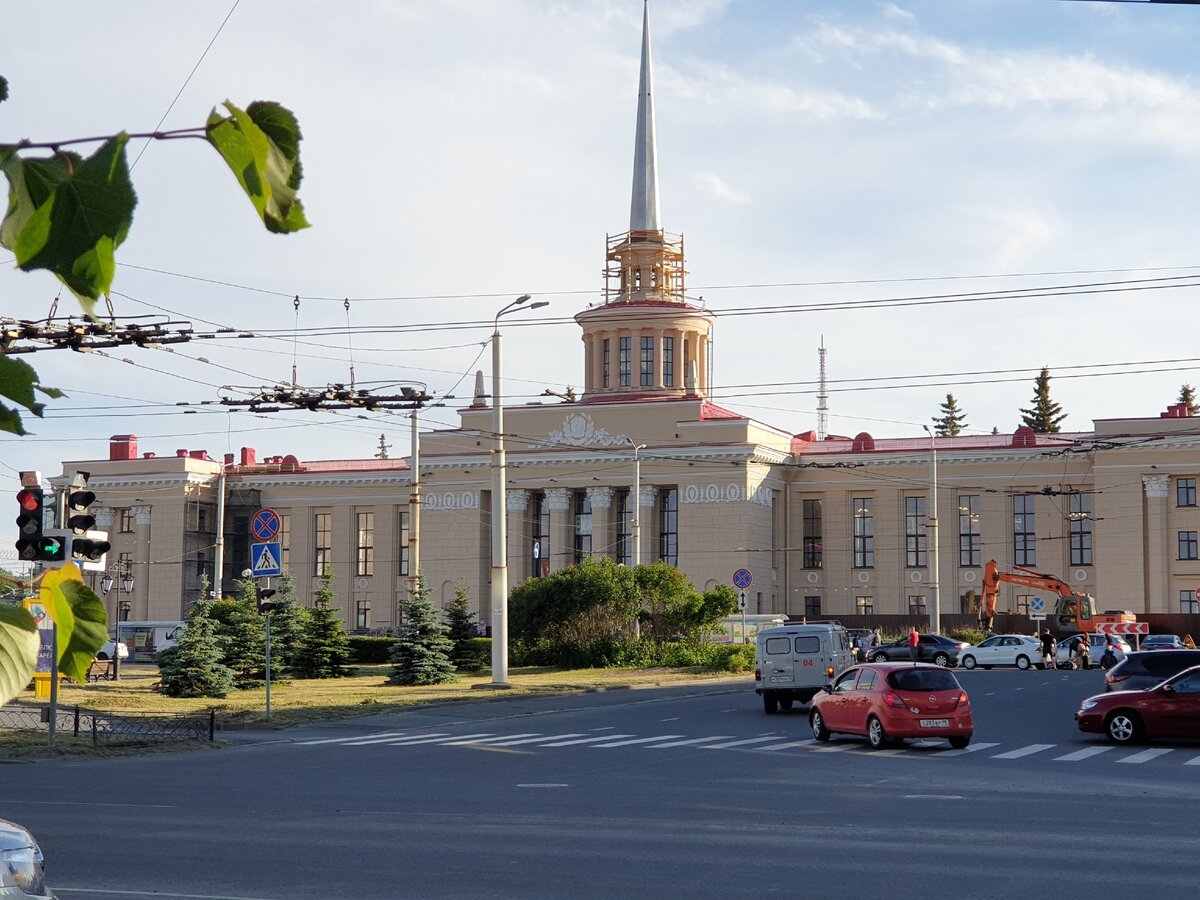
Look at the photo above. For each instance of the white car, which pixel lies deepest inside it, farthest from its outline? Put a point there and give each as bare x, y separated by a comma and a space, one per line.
106, 652
1018, 650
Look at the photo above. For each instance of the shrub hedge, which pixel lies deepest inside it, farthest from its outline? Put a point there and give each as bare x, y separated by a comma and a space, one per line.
625, 652
365, 650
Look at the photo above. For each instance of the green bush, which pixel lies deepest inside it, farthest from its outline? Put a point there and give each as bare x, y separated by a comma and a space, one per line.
737, 657
626, 652
365, 650
970, 635
474, 655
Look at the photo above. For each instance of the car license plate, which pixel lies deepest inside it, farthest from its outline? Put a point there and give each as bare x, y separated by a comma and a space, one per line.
780, 679
935, 723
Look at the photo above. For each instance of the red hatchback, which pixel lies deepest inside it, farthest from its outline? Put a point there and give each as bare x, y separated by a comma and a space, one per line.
893, 701
1171, 709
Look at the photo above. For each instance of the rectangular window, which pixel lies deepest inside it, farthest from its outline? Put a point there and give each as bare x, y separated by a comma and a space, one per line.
1185, 492
1188, 602
812, 606
864, 532
365, 549
916, 606
623, 525
687, 356
968, 603
970, 542
668, 525
1024, 531
199, 518
362, 615
647, 362
1080, 527
916, 553
813, 550
624, 361
124, 564
1023, 601
668, 361
864, 606
1187, 545
322, 544
541, 534
583, 526
606, 363
405, 537
126, 519
202, 568
285, 540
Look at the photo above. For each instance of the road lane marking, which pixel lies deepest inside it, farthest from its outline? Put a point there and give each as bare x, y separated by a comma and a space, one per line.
591, 740
741, 743
435, 739
703, 740
786, 746
1085, 753
537, 740
657, 737
1024, 751
458, 742
974, 748
338, 740
1146, 755
672, 719
1194, 761
548, 784
434, 734
836, 748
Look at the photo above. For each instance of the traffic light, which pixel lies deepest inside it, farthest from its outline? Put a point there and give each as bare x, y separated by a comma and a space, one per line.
89, 550
35, 505
88, 547
265, 605
79, 519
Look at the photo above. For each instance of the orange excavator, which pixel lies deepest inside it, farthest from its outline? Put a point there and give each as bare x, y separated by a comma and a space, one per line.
1072, 612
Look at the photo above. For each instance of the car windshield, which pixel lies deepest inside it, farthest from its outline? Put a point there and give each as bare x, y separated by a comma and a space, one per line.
922, 680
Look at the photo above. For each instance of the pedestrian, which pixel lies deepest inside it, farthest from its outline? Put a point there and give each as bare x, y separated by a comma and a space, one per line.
1083, 653
1188, 642
876, 637
1049, 647
1109, 658
913, 640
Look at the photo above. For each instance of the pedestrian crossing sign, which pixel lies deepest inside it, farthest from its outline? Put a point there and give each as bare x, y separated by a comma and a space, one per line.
265, 559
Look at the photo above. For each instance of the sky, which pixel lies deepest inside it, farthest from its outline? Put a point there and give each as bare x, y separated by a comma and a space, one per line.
819, 157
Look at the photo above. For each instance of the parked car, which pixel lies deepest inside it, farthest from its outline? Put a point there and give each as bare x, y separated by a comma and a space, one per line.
1162, 642
1096, 642
1147, 668
22, 868
859, 634
1171, 709
893, 701
935, 648
106, 652
1018, 650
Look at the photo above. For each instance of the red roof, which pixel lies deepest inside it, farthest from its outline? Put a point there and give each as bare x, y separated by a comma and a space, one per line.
805, 446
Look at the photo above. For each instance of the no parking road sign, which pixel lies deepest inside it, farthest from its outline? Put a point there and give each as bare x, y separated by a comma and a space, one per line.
265, 525
742, 578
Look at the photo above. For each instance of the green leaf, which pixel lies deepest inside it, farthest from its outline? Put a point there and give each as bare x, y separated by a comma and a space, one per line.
76, 230
89, 634
261, 144
19, 642
3, 89
18, 382
31, 182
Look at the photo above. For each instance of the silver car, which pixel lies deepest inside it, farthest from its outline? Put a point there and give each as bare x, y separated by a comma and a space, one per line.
1066, 649
21, 865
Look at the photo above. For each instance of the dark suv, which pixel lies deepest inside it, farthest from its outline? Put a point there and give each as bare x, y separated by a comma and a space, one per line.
1140, 671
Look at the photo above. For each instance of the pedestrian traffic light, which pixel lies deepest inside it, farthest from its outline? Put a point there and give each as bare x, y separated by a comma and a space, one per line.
265, 605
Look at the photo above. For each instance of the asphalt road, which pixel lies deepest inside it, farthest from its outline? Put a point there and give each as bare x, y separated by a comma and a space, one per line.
686, 791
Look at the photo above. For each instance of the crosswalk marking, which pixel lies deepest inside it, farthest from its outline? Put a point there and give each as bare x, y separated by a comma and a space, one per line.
434, 739
657, 737
392, 739
1085, 753
590, 740
1194, 761
787, 745
690, 741
1024, 751
489, 740
1145, 755
974, 748
836, 748
338, 740
741, 743
537, 740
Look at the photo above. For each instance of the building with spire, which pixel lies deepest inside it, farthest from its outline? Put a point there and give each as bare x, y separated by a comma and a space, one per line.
828, 525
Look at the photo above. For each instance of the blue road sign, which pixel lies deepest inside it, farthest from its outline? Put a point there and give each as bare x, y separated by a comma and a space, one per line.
742, 578
265, 525
265, 559
1037, 605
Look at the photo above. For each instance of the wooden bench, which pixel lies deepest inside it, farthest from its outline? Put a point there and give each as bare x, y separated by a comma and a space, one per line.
100, 670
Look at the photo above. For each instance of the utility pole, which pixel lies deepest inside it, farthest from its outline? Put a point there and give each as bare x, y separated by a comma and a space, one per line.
219, 551
414, 510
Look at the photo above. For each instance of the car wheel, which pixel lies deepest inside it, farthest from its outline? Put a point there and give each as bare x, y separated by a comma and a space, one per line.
785, 704
1022, 662
876, 736
941, 660
960, 742
102, 655
1123, 727
820, 732
968, 662
879, 657
770, 704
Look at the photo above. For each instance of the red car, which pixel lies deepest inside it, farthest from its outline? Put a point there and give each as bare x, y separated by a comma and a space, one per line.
893, 701
1171, 709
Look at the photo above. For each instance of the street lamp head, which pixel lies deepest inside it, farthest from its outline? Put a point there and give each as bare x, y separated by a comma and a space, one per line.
106, 584
522, 298
127, 582
539, 304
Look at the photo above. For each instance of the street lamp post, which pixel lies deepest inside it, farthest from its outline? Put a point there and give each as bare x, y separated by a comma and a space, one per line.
635, 521
499, 593
121, 608
935, 598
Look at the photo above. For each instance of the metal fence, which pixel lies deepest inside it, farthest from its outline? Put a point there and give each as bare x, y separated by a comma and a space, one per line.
105, 727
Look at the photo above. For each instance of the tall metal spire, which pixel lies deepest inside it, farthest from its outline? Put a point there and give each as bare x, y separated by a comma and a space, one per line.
643, 215
822, 397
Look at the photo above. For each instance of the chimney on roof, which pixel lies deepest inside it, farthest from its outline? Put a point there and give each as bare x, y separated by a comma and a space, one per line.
1177, 411
229, 459
149, 456
198, 454
247, 458
122, 446
181, 454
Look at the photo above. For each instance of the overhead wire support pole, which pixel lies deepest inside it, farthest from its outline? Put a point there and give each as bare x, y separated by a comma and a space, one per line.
935, 598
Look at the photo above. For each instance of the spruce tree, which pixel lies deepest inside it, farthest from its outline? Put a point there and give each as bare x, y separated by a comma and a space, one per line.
1187, 394
952, 420
421, 653
1045, 416
289, 624
193, 667
460, 628
325, 650
242, 632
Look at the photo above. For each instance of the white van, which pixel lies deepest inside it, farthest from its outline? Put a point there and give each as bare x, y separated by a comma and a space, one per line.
793, 662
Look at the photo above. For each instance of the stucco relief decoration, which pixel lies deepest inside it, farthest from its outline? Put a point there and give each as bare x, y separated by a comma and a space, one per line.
105, 516
451, 500
578, 430
142, 514
647, 495
558, 499
600, 497
726, 493
516, 500
1156, 485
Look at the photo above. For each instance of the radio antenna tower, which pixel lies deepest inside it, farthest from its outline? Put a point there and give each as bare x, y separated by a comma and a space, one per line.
822, 398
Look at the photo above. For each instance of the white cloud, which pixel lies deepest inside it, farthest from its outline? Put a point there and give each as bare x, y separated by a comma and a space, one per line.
1019, 234
892, 11
722, 89
718, 188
